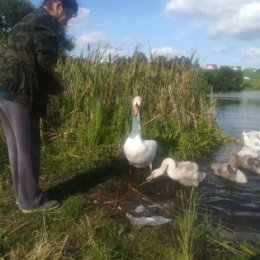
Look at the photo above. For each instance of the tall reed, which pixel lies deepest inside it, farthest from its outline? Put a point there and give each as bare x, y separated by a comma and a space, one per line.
95, 110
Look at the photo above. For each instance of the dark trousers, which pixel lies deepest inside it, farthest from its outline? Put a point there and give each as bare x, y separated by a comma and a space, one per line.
22, 132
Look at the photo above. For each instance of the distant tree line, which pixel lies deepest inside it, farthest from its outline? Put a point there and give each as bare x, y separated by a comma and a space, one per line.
225, 79
161, 60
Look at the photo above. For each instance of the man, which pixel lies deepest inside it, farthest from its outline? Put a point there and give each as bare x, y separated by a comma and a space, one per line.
27, 77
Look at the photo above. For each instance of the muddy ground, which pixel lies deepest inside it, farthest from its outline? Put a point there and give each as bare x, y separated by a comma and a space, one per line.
122, 189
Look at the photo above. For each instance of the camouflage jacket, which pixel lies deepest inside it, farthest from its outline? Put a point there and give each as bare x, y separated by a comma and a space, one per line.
33, 43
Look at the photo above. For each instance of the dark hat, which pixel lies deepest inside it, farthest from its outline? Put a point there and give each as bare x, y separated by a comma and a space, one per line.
70, 4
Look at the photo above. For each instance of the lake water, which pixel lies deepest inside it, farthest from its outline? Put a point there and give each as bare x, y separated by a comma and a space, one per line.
238, 111
238, 204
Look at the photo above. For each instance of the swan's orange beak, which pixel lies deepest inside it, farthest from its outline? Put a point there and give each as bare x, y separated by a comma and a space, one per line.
136, 110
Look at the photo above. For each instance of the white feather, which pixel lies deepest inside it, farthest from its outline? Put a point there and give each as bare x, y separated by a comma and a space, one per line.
229, 172
140, 153
252, 140
185, 172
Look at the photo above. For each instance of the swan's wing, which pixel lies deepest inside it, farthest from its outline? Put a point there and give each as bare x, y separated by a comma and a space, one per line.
248, 162
231, 170
226, 170
252, 134
193, 181
235, 174
151, 146
141, 154
219, 169
188, 182
252, 140
247, 140
188, 168
146, 157
254, 162
245, 150
186, 173
256, 143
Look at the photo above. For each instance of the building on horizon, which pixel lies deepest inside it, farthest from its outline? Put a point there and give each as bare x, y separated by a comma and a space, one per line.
211, 66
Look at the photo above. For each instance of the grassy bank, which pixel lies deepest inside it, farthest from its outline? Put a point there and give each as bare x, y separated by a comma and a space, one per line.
81, 230
253, 83
82, 142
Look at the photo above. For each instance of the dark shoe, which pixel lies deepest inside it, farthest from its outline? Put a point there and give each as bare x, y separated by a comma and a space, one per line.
47, 205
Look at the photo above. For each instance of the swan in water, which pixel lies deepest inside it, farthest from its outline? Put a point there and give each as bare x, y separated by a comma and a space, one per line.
247, 162
140, 153
185, 172
229, 171
245, 150
252, 140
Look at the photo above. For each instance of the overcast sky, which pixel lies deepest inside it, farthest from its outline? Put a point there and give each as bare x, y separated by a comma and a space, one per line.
223, 32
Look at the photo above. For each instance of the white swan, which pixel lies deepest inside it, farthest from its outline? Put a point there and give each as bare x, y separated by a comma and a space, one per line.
252, 140
229, 172
247, 162
140, 153
185, 172
245, 150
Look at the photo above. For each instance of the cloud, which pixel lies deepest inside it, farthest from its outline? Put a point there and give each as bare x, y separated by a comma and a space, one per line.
92, 39
236, 18
243, 23
251, 53
111, 53
168, 52
221, 49
80, 21
202, 7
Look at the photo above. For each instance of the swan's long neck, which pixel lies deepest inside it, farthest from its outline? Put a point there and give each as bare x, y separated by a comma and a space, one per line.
168, 165
136, 126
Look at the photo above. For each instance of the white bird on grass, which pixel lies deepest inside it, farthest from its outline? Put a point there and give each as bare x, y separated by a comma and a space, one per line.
185, 172
229, 171
139, 153
252, 140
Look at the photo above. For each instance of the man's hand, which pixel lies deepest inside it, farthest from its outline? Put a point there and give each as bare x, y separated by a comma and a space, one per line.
55, 86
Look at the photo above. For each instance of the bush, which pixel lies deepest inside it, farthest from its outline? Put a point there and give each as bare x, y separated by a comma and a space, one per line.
225, 79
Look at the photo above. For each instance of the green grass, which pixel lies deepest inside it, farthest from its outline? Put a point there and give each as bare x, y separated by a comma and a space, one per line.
96, 107
254, 82
82, 230
251, 74
82, 142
